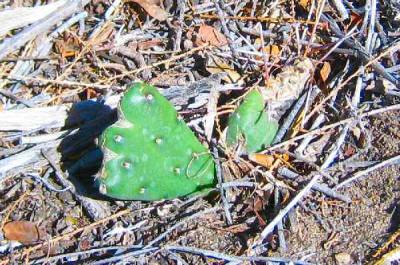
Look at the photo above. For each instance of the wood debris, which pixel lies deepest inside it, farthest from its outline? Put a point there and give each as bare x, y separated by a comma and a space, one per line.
328, 71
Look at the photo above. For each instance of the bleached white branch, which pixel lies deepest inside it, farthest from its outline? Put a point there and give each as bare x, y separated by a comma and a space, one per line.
19, 17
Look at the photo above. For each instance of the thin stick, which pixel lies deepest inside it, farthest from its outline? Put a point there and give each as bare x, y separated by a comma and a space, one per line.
101, 86
366, 171
44, 81
14, 43
263, 19
317, 19
32, 249
169, 60
221, 256
125, 256
281, 234
334, 92
267, 230
218, 6
341, 9
285, 172
332, 154
175, 226
225, 202
11, 208
290, 119
85, 252
334, 125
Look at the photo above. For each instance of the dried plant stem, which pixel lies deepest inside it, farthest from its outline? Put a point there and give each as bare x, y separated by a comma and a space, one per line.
169, 60
362, 173
267, 230
334, 125
14, 43
355, 74
11, 208
69, 235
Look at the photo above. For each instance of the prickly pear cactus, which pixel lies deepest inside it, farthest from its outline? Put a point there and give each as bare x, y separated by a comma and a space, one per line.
150, 153
251, 124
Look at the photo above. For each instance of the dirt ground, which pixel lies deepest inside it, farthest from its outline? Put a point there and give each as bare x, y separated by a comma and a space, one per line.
358, 229
334, 229
64, 70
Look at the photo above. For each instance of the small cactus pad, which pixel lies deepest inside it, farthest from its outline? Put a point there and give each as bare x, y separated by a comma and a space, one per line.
251, 124
150, 153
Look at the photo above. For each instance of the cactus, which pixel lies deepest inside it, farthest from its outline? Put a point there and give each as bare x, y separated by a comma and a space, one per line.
150, 153
251, 124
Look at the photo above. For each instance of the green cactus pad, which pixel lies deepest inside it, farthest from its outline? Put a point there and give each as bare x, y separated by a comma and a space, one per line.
251, 124
150, 153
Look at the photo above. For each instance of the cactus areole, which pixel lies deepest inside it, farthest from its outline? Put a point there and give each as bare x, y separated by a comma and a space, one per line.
150, 153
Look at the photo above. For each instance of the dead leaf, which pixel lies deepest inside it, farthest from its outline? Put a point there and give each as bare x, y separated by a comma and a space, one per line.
239, 228
285, 196
145, 45
216, 65
325, 71
262, 159
209, 35
355, 19
103, 36
273, 50
84, 244
349, 151
296, 127
23, 231
67, 48
304, 3
258, 207
152, 7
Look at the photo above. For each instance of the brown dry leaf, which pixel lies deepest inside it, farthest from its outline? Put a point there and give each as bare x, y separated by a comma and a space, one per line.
152, 7
285, 196
145, 45
23, 231
104, 35
68, 46
296, 127
304, 3
270, 50
262, 159
349, 151
355, 19
216, 65
325, 71
209, 35
273, 50
239, 228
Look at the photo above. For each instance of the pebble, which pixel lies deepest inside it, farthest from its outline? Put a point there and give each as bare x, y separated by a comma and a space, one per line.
343, 258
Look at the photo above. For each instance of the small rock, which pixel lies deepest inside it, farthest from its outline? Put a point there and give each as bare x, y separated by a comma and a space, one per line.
343, 258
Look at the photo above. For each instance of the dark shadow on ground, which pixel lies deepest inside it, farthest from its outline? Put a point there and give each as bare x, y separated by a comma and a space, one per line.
81, 157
